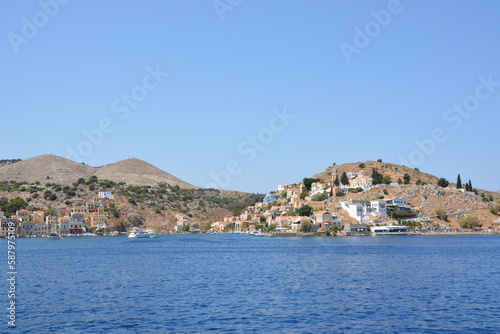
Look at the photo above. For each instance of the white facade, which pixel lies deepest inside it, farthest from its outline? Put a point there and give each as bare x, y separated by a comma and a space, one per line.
395, 200
378, 207
357, 210
106, 194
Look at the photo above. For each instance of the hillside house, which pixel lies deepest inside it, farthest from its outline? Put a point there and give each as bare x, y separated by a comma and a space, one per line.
23, 215
359, 210
395, 200
270, 198
90, 206
106, 194
379, 207
38, 217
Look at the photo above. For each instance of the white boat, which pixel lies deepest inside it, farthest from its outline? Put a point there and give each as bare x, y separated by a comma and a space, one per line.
138, 233
390, 230
259, 234
54, 236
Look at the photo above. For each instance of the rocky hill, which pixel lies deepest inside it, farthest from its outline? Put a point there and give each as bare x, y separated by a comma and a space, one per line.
54, 169
427, 199
427, 196
393, 170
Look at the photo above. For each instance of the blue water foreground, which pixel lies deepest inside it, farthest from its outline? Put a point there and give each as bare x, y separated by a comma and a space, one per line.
227, 283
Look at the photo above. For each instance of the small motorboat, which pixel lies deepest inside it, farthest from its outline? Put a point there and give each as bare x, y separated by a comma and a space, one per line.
139, 234
54, 236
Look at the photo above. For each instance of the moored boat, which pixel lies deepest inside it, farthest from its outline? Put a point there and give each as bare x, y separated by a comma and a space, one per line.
139, 234
390, 230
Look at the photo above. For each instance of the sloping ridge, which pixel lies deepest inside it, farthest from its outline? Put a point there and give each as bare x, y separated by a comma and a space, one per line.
138, 172
46, 168
55, 169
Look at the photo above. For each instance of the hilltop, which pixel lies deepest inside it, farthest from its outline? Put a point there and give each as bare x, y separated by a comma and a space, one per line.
422, 192
53, 169
393, 170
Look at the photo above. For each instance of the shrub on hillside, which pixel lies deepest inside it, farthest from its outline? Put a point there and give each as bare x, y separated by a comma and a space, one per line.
469, 222
441, 214
442, 182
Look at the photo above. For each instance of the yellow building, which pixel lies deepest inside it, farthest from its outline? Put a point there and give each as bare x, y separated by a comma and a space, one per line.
316, 205
41, 229
38, 217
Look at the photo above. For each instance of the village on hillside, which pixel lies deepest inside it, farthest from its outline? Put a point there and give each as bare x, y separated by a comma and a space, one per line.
352, 203
348, 204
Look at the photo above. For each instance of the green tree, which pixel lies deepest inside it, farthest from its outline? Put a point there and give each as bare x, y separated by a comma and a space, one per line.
344, 180
459, 182
406, 178
328, 232
3, 201
361, 165
442, 182
336, 182
271, 227
339, 193
321, 197
305, 210
186, 228
441, 214
379, 160
495, 208
386, 179
207, 226
262, 219
469, 222
377, 177
304, 194
16, 204
335, 229
400, 182
305, 226
120, 225
308, 182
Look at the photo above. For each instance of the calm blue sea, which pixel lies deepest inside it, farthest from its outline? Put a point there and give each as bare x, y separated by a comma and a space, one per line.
235, 283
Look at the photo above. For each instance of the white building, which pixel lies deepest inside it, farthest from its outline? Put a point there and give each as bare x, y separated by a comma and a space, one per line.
281, 188
378, 207
358, 210
395, 200
106, 194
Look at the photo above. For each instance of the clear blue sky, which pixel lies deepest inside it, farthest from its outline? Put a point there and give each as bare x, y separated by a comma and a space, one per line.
357, 88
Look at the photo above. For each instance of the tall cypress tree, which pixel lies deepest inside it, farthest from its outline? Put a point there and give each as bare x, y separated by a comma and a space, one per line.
344, 180
459, 182
470, 186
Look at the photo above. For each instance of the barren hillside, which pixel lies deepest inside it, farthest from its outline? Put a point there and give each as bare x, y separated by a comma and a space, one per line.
385, 168
54, 169
138, 172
